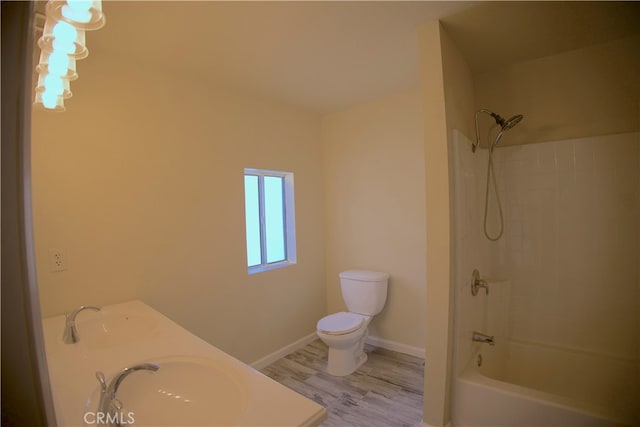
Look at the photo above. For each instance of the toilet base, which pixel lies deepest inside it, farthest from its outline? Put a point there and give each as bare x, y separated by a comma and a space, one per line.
346, 351
343, 362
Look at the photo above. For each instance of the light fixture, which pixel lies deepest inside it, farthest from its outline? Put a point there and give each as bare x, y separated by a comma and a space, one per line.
55, 85
83, 14
57, 63
61, 36
62, 43
50, 101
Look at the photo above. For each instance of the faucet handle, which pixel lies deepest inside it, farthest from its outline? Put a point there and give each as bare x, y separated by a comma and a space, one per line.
477, 283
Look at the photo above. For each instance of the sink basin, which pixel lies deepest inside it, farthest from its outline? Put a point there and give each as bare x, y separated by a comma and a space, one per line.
110, 329
185, 390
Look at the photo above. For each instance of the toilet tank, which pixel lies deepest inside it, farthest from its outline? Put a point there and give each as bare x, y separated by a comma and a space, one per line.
364, 291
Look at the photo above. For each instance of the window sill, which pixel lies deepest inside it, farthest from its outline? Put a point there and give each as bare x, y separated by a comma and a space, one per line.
267, 267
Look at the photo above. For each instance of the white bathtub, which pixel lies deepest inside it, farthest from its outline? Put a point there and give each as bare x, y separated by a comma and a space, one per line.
537, 383
522, 384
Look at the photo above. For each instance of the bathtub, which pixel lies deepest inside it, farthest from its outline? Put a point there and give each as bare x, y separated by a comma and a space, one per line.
527, 384
543, 381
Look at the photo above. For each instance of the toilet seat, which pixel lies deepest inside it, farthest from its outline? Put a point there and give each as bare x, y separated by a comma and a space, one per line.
340, 323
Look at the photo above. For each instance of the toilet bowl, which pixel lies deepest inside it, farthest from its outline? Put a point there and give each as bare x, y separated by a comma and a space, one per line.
345, 333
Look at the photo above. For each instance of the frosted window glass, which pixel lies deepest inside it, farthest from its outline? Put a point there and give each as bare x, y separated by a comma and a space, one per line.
270, 219
274, 218
252, 213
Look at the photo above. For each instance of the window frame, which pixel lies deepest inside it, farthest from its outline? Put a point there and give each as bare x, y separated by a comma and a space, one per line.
289, 220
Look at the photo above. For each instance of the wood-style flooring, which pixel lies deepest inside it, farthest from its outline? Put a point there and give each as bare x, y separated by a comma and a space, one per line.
386, 391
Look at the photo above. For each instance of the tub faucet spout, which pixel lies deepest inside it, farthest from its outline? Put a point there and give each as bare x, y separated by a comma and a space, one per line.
480, 337
70, 335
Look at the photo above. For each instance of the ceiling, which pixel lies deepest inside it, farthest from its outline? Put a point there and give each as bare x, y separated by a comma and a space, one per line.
497, 34
327, 55
320, 56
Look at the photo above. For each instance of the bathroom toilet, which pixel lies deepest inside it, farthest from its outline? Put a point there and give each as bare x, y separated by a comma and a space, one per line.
365, 293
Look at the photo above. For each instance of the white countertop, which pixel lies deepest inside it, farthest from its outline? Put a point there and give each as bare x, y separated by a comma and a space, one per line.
72, 368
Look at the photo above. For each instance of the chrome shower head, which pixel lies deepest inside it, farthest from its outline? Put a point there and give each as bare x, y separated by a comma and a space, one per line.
504, 124
512, 122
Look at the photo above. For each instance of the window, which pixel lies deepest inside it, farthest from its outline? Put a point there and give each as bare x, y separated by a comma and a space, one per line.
270, 219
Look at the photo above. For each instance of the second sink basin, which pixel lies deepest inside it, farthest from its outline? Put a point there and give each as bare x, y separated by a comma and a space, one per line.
185, 390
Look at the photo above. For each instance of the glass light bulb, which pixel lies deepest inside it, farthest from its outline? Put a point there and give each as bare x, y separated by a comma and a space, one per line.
65, 32
53, 84
64, 47
58, 63
49, 100
63, 36
80, 5
76, 15
84, 14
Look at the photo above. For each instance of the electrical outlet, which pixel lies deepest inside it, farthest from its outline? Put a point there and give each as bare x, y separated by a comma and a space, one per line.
57, 259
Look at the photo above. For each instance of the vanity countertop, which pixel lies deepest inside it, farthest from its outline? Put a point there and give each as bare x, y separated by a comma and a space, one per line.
122, 335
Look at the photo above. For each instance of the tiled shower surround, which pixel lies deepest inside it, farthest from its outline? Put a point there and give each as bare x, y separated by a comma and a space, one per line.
570, 245
570, 256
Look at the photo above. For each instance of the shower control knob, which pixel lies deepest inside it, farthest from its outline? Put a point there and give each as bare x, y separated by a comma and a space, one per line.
477, 283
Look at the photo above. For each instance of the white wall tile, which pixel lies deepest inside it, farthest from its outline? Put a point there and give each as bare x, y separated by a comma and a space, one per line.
570, 248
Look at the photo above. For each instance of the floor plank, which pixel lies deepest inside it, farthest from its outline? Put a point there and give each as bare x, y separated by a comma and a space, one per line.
387, 391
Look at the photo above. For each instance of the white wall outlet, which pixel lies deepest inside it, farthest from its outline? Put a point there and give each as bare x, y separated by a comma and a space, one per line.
57, 259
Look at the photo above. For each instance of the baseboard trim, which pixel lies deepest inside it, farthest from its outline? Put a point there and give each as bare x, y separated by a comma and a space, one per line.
396, 346
372, 340
279, 354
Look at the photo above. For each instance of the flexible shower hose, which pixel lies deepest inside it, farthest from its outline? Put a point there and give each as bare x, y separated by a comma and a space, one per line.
491, 175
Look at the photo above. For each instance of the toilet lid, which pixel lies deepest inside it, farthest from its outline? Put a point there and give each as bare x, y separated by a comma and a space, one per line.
340, 323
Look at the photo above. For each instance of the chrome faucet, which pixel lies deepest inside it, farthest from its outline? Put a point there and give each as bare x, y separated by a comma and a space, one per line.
477, 283
480, 337
109, 404
70, 335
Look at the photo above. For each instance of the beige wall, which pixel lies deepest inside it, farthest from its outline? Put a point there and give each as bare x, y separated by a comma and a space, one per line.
437, 226
459, 105
458, 89
140, 182
374, 184
584, 92
448, 96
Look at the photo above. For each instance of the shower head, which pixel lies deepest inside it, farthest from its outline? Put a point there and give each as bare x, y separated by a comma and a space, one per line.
512, 122
504, 124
